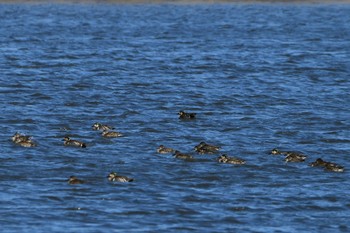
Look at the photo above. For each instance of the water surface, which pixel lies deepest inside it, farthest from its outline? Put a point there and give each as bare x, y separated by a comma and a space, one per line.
258, 77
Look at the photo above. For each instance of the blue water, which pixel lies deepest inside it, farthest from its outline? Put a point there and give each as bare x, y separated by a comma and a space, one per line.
259, 76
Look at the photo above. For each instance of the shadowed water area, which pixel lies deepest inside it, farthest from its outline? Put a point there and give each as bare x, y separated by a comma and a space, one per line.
258, 77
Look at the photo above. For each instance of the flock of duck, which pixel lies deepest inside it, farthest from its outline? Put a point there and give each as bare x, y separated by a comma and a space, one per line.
201, 148
204, 148
107, 131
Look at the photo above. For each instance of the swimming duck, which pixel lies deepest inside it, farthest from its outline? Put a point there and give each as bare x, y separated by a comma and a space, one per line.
111, 134
180, 155
71, 142
23, 140
17, 137
99, 126
318, 163
184, 115
329, 166
164, 150
226, 159
26, 143
204, 148
290, 156
294, 157
113, 176
74, 180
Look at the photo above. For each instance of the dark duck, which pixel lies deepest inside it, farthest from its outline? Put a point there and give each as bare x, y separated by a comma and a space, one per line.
23, 140
180, 155
164, 150
114, 177
70, 142
101, 127
204, 148
290, 156
226, 159
186, 116
74, 180
328, 166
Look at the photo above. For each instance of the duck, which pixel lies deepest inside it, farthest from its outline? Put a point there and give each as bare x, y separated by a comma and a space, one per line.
17, 137
204, 148
226, 159
290, 156
101, 127
111, 134
164, 150
328, 166
23, 140
184, 115
71, 142
180, 155
318, 163
294, 157
113, 176
74, 180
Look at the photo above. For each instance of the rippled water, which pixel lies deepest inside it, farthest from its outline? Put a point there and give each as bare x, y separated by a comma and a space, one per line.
258, 77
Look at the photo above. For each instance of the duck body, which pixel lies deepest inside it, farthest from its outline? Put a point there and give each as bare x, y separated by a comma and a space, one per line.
226, 159
71, 142
185, 115
111, 134
318, 163
294, 157
17, 137
334, 167
114, 177
180, 155
23, 140
204, 148
26, 144
328, 166
164, 150
75, 180
101, 127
